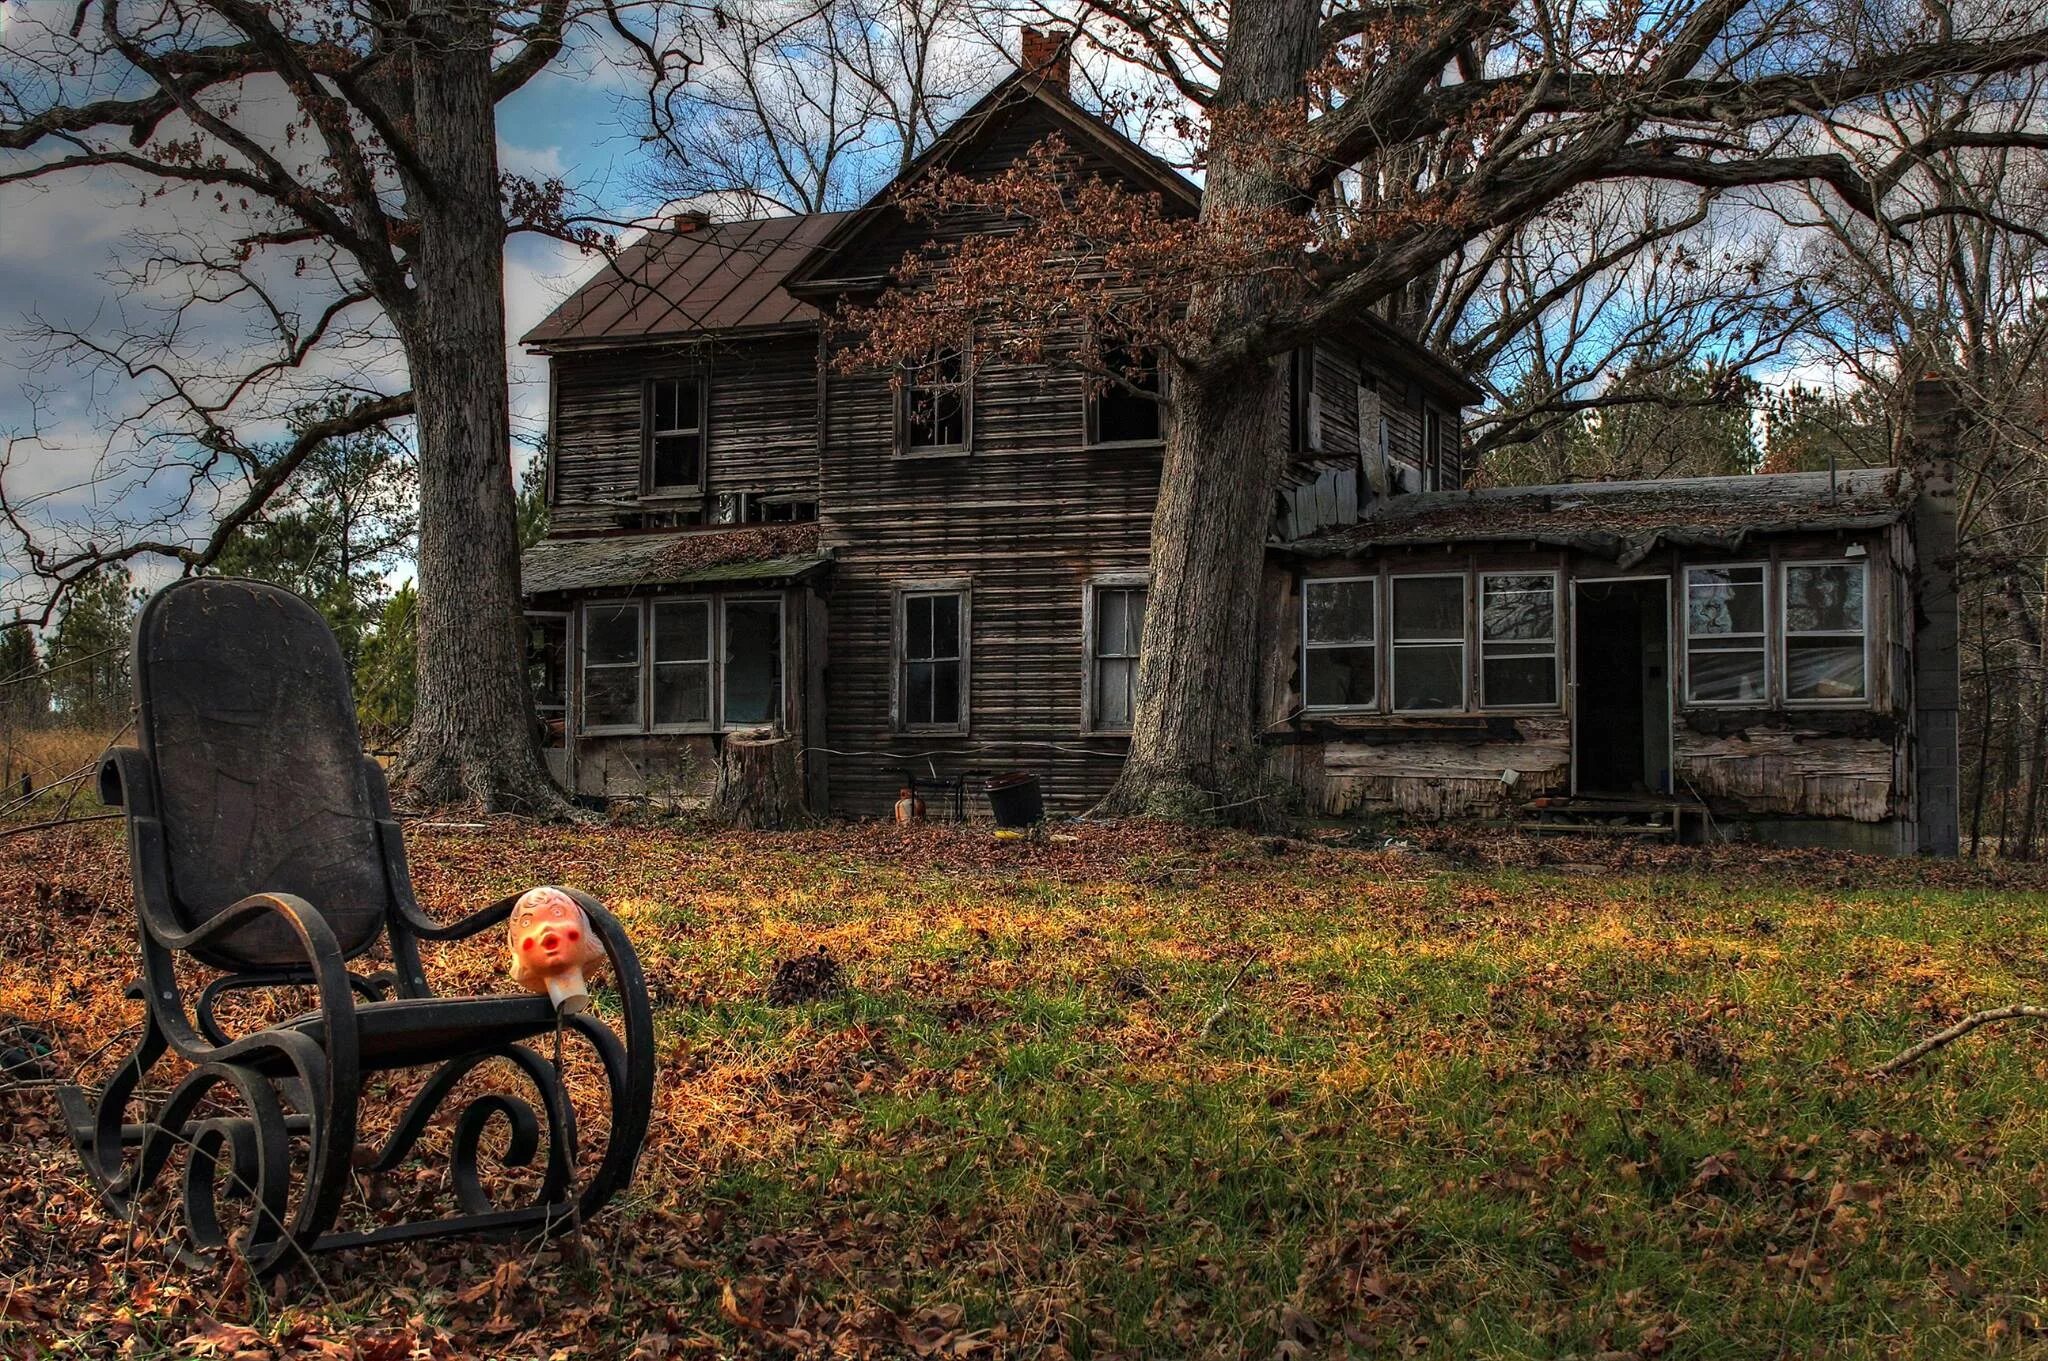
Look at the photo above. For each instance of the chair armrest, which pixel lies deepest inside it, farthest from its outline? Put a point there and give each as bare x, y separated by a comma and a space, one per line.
124, 781
324, 961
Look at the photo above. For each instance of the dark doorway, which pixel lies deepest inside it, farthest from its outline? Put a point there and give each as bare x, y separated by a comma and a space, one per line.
1621, 688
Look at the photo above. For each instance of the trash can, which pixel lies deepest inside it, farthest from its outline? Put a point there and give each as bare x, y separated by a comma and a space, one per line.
1014, 799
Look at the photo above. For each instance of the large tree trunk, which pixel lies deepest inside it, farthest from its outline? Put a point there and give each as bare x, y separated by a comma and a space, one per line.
473, 734
1194, 739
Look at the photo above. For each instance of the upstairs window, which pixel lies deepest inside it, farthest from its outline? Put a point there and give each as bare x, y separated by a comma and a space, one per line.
1340, 643
1125, 407
1116, 630
932, 683
1429, 643
1726, 653
1825, 632
675, 435
1518, 640
1304, 407
763, 508
932, 405
1432, 455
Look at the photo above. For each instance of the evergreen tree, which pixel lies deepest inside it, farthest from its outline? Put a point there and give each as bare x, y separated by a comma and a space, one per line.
24, 689
88, 651
386, 677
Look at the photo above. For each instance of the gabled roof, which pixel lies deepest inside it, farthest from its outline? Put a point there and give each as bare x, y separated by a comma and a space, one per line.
1627, 521
1019, 91
726, 276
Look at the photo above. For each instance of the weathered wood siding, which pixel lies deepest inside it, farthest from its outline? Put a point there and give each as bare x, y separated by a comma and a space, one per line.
1027, 519
761, 429
1847, 763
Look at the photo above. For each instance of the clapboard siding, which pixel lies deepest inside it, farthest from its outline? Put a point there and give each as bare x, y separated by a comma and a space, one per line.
761, 426
1027, 529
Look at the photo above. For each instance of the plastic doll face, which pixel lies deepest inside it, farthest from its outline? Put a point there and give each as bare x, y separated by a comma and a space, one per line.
549, 934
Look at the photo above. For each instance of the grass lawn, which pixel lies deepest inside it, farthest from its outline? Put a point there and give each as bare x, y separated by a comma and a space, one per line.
1143, 1093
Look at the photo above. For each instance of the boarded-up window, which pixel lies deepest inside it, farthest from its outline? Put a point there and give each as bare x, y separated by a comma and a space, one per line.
675, 435
682, 663
1339, 643
1825, 633
1429, 643
934, 660
1726, 648
1117, 630
752, 662
611, 666
1518, 640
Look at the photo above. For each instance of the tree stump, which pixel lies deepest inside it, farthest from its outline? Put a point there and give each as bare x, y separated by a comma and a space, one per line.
759, 787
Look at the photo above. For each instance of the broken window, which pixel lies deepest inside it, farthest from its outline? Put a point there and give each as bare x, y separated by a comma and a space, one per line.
675, 437
1429, 643
1518, 640
682, 663
933, 683
1117, 628
1825, 634
763, 508
752, 662
611, 666
1725, 641
1126, 409
1304, 407
547, 673
932, 405
1339, 643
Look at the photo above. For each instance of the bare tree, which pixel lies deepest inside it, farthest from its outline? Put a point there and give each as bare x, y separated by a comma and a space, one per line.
1350, 152
809, 106
346, 152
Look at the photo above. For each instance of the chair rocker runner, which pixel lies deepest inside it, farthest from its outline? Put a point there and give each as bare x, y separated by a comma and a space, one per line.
264, 849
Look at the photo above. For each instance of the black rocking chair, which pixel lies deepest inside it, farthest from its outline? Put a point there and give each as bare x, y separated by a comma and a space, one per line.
264, 849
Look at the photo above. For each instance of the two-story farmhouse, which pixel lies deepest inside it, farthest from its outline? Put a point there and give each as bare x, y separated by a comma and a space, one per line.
947, 576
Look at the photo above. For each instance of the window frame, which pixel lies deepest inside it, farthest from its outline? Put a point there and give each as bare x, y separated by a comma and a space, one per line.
1380, 693
1764, 639
1304, 404
1464, 642
714, 667
899, 664
906, 390
1557, 628
1091, 401
569, 656
584, 727
701, 382
1784, 635
1091, 722
781, 709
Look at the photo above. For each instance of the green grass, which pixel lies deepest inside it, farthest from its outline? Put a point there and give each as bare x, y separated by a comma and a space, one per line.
1318, 1103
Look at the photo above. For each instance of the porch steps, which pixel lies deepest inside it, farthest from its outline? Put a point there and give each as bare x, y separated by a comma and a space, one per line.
1655, 818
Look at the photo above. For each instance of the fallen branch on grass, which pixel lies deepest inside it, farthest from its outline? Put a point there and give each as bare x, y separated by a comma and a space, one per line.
1941, 1039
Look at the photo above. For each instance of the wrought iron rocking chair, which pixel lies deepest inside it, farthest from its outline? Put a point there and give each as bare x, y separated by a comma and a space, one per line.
263, 847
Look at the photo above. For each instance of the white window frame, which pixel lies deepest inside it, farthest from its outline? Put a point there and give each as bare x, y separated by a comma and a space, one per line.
1785, 635
901, 594
1091, 406
725, 604
713, 667
1110, 581
1463, 641
1763, 640
582, 695
1379, 628
648, 486
1486, 703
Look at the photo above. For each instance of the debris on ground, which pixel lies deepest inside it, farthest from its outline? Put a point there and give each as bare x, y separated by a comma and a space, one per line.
806, 978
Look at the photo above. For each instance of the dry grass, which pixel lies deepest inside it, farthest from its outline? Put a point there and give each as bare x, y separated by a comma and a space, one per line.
1142, 1093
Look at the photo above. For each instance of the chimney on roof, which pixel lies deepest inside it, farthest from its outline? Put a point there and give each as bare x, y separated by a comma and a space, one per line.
1045, 55
691, 220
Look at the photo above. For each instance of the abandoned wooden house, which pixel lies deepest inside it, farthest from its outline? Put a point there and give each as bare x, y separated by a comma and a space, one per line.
945, 578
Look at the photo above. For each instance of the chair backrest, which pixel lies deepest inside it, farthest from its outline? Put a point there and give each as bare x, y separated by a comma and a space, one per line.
244, 709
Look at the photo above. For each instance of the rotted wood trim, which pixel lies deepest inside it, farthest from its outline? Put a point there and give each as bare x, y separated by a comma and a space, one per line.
1866, 723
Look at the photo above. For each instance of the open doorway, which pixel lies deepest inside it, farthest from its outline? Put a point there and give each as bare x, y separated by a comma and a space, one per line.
1621, 678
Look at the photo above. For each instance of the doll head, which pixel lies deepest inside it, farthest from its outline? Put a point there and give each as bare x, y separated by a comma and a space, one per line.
552, 944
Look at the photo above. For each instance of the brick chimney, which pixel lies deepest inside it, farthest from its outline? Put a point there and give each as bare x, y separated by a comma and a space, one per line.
1045, 55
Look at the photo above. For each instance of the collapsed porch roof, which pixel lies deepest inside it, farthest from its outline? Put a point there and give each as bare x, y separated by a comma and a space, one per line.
1627, 521
759, 555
